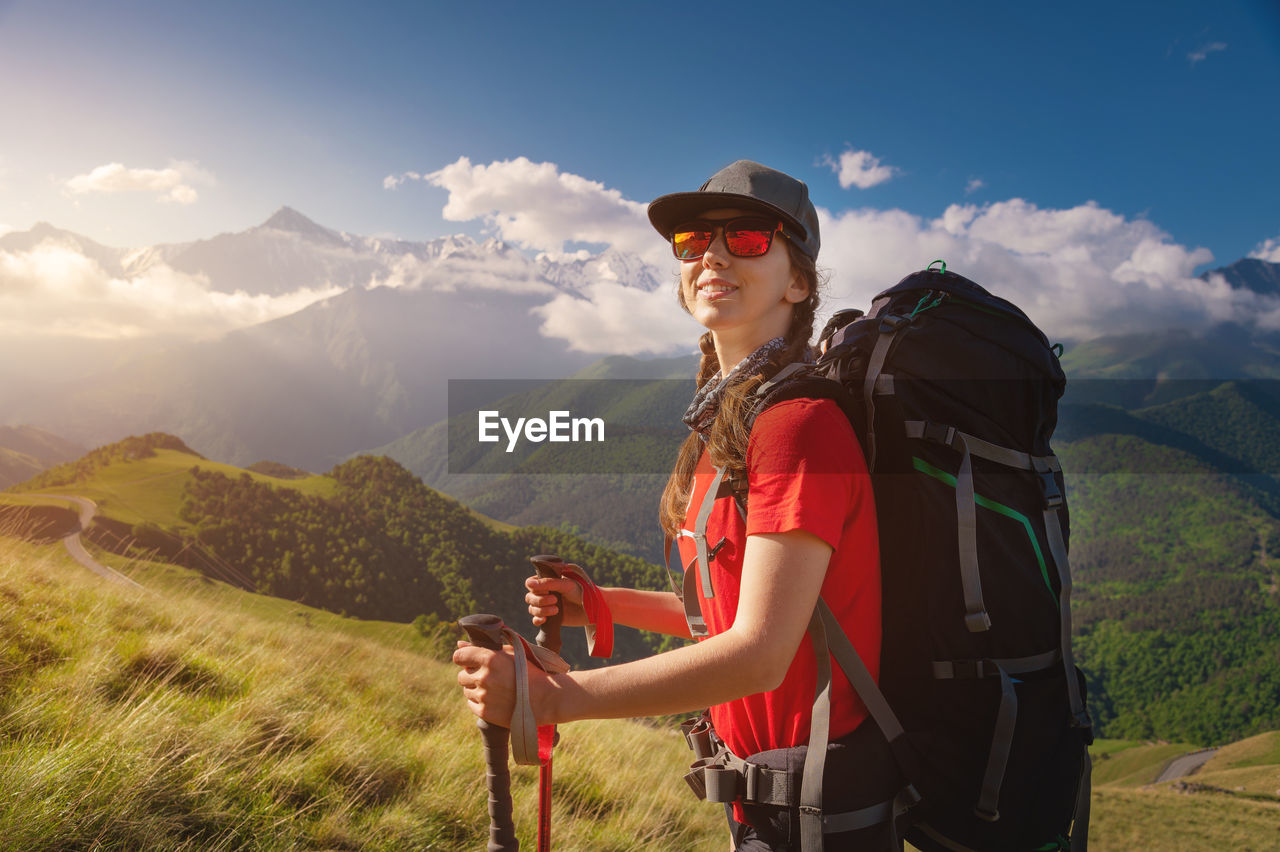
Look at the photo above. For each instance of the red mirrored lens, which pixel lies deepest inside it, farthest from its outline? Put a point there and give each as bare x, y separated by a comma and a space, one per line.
748, 240
690, 242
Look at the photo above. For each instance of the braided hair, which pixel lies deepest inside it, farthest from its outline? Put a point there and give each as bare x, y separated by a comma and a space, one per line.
726, 443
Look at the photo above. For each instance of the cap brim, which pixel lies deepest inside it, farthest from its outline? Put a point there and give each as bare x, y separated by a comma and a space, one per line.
668, 211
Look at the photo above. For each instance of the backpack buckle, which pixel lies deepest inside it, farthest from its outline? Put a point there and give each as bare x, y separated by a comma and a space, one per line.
939, 433
1082, 721
893, 322
751, 774
1049, 488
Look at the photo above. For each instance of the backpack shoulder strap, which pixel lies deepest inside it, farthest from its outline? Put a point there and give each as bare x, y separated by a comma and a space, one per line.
794, 381
800, 381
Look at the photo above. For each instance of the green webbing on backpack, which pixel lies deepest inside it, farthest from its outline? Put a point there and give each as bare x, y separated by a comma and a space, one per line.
987, 503
921, 307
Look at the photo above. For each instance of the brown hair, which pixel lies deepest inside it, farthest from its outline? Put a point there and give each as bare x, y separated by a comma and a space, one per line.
726, 443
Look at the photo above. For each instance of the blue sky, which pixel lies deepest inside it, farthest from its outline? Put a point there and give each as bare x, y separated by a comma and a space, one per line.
1159, 111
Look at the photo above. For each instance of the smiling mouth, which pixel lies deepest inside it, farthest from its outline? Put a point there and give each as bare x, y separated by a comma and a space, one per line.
716, 288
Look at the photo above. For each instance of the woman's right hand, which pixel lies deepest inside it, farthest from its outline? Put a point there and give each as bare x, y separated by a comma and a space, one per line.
543, 606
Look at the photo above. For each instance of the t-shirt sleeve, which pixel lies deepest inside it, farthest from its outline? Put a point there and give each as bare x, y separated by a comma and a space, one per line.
804, 466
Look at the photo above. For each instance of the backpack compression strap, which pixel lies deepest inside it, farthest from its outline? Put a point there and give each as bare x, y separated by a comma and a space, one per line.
889, 328
1044, 467
976, 617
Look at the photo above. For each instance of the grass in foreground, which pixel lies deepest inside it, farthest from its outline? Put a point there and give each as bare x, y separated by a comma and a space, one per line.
196, 717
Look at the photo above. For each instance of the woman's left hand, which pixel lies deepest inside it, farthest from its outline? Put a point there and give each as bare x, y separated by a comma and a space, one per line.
488, 681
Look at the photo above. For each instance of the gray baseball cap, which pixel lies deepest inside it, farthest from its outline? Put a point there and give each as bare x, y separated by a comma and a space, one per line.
750, 186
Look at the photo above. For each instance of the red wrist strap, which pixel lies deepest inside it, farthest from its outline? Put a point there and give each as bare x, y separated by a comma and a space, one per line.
600, 626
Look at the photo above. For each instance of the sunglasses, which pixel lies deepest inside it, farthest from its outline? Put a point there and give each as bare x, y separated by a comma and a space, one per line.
744, 236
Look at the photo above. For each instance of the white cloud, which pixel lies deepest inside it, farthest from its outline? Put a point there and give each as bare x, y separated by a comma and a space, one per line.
860, 169
4, 229
485, 268
54, 290
1079, 272
615, 319
536, 206
393, 181
974, 185
1203, 52
1269, 250
172, 184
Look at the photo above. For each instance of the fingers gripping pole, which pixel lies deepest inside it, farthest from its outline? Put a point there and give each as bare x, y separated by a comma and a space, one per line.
486, 631
599, 626
549, 567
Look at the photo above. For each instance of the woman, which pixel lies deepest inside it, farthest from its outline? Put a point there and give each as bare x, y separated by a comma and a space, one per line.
748, 241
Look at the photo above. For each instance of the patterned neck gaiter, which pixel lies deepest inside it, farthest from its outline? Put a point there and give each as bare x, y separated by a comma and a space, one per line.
706, 402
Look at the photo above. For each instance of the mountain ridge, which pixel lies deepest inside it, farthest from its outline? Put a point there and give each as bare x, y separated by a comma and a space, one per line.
1249, 273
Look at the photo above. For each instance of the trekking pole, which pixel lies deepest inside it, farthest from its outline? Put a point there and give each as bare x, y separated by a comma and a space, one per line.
486, 631
548, 567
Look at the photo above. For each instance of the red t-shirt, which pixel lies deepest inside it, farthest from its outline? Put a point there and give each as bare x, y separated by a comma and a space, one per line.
805, 472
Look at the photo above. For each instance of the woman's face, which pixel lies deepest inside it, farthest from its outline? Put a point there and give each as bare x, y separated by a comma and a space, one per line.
750, 298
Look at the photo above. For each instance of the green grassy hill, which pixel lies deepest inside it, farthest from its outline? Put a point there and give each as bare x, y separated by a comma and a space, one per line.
200, 717
143, 479
366, 539
1232, 802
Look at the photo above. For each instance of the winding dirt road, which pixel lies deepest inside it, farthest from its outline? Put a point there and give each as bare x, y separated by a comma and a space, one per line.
76, 548
1186, 764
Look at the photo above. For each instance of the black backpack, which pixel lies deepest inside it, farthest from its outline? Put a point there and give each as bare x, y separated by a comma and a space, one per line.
953, 393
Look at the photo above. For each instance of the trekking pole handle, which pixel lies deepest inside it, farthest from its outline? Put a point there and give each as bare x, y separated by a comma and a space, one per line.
486, 631
549, 567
